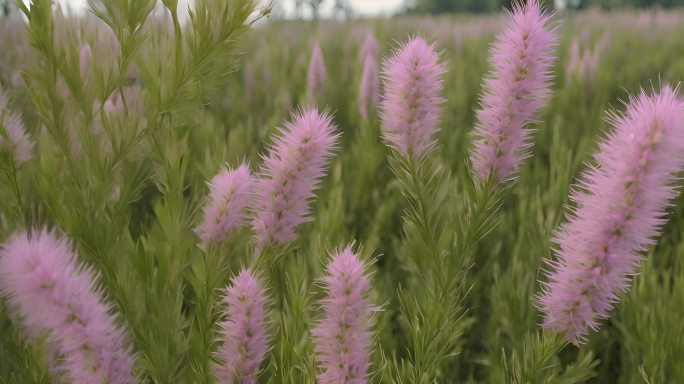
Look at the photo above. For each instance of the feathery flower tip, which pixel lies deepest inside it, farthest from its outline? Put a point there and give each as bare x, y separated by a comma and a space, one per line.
518, 86
229, 193
291, 172
244, 331
54, 296
620, 209
343, 337
411, 105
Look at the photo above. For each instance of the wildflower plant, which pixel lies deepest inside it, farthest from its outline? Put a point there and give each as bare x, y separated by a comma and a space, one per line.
343, 337
620, 208
411, 104
229, 193
57, 298
244, 331
291, 172
522, 59
197, 170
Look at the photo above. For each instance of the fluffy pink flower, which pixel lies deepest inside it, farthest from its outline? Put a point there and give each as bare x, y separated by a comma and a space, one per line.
229, 193
291, 172
411, 105
13, 137
519, 85
620, 209
369, 90
244, 331
55, 296
343, 337
85, 56
316, 75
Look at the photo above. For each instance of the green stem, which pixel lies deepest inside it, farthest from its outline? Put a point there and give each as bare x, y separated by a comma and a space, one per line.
417, 186
477, 220
207, 278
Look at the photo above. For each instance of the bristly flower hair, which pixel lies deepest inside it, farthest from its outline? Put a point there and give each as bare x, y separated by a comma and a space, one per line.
56, 297
343, 337
291, 172
620, 209
13, 137
410, 107
243, 331
224, 212
518, 86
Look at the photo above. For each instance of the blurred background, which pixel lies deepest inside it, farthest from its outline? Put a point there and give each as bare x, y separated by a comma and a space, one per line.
345, 9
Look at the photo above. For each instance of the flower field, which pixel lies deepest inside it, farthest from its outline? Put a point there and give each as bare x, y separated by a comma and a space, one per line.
233, 199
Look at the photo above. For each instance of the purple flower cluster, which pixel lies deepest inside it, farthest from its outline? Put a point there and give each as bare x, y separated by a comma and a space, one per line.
56, 297
620, 208
243, 331
292, 170
410, 107
519, 85
343, 337
229, 193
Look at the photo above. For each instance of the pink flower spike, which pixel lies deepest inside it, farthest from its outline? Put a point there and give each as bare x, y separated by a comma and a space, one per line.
343, 337
369, 48
85, 56
316, 74
518, 86
13, 136
54, 296
224, 212
620, 209
369, 90
292, 171
411, 105
243, 331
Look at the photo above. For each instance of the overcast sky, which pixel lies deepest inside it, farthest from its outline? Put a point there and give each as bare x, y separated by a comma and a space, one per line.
361, 7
